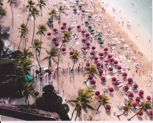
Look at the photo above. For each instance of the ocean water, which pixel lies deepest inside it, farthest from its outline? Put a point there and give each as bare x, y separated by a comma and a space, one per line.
137, 12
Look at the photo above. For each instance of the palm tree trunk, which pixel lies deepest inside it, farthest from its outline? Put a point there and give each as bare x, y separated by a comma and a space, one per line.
38, 61
133, 116
76, 115
73, 113
121, 114
12, 21
73, 66
19, 43
27, 19
99, 106
59, 58
33, 32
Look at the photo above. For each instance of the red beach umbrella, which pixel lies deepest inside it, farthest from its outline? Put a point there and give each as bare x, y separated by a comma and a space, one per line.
103, 78
140, 113
151, 112
134, 104
148, 98
93, 47
83, 40
130, 95
64, 24
119, 67
74, 57
54, 39
100, 71
100, 96
71, 53
116, 83
55, 30
97, 93
130, 80
141, 92
115, 62
110, 69
88, 44
84, 48
69, 29
100, 54
78, 26
87, 64
63, 49
137, 99
124, 74
126, 87
93, 82
106, 61
105, 49
64, 41
96, 58
56, 44
83, 31
87, 35
109, 55
92, 53
111, 89
98, 64
49, 33
108, 107
62, 28
90, 77
114, 78
111, 59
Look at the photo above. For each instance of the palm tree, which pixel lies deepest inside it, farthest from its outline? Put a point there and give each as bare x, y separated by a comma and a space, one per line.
23, 34
41, 30
144, 106
34, 13
60, 9
67, 35
26, 54
102, 101
11, 2
52, 13
75, 57
127, 107
41, 4
28, 90
51, 55
30, 5
82, 102
37, 45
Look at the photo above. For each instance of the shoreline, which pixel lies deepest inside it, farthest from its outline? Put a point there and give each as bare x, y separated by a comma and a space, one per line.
133, 32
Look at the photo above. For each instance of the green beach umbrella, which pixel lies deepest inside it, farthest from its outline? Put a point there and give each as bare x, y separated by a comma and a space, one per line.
92, 30
101, 42
99, 38
75, 9
89, 16
50, 20
83, 10
89, 27
98, 31
28, 77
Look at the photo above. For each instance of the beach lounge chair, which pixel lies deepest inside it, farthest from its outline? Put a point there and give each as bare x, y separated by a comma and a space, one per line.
119, 106
120, 85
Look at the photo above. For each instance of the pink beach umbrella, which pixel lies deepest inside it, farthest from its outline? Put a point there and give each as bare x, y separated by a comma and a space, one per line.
130, 95
106, 61
62, 28
134, 104
69, 29
100, 72
110, 69
95, 58
119, 67
114, 78
87, 64
90, 77
137, 99
111, 60
103, 78
87, 35
130, 80
83, 40
71, 53
98, 64
88, 44
97, 93
92, 53
108, 107
64, 41
54, 39
56, 44
55, 30
141, 93
93, 47
78, 26
84, 48
148, 98
83, 31
111, 89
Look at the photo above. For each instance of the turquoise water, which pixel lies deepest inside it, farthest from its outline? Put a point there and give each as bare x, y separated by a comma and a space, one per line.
136, 12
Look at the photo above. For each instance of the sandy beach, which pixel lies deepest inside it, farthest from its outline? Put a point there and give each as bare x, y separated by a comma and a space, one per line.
131, 55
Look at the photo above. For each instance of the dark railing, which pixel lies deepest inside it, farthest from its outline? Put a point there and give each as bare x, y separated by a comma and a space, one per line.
24, 115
